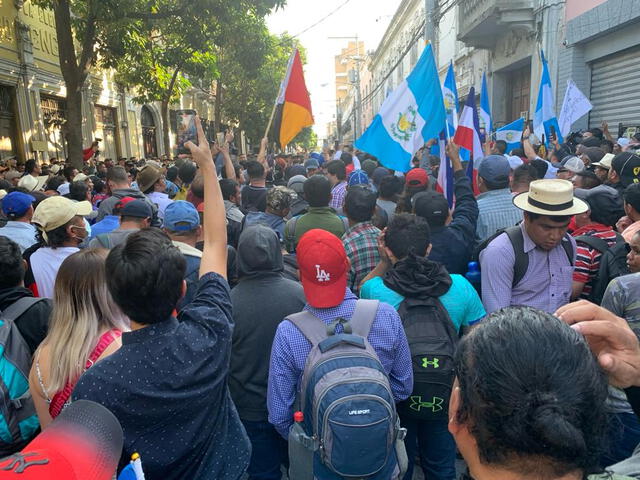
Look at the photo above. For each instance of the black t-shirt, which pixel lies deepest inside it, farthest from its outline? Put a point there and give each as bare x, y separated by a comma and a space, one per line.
254, 199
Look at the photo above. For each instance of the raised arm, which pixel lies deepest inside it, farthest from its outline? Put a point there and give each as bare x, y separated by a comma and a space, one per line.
526, 144
214, 257
229, 170
262, 154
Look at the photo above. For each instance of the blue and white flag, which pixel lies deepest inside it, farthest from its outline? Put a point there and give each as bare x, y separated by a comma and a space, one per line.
485, 107
545, 115
450, 95
408, 118
512, 134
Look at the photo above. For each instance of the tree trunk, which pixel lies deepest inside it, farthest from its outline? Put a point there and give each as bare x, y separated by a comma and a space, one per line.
166, 127
75, 74
218, 106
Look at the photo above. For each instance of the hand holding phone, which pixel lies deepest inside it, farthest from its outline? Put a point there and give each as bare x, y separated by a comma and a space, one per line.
186, 130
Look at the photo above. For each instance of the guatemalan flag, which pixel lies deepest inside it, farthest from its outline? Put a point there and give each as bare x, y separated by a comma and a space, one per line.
545, 115
450, 95
512, 134
409, 117
468, 136
485, 107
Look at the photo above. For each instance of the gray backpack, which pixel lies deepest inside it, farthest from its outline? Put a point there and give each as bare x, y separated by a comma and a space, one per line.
16, 409
350, 427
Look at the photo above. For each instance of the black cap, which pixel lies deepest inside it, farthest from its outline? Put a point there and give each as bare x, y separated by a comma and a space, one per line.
604, 203
432, 206
627, 166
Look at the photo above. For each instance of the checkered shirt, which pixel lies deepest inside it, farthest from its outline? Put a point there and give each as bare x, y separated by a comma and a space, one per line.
361, 244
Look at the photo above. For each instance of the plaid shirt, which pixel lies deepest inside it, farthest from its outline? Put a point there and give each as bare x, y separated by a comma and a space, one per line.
338, 194
361, 244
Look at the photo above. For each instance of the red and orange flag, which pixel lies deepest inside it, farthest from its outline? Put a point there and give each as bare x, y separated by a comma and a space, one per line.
293, 105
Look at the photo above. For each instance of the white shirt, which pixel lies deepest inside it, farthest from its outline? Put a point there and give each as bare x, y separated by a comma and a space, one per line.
161, 200
45, 263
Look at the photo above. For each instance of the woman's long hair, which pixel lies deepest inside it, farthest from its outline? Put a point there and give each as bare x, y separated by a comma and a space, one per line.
82, 310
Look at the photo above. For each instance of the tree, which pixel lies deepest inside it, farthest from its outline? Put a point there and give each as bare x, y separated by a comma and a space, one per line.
90, 29
307, 139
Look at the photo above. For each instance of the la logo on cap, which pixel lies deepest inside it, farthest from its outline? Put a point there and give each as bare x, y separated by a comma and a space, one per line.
321, 275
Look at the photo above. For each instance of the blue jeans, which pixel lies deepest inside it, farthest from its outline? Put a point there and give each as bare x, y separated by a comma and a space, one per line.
623, 436
268, 451
433, 443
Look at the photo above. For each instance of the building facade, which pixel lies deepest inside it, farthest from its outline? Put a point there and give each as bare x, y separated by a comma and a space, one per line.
33, 105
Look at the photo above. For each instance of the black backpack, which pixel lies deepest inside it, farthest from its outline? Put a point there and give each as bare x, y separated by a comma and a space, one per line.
516, 238
613, 263
432, 341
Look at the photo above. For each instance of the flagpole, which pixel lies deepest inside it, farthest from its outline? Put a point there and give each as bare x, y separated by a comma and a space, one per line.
275, 104
273, 114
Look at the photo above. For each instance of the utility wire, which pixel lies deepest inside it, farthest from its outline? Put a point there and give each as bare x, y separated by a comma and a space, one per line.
331, 13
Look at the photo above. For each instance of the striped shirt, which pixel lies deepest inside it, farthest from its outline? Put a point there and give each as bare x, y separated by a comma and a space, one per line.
338, 194
361, 244
496, 211
588, 258
291, 349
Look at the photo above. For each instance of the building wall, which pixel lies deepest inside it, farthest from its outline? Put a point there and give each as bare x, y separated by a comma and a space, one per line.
32, 95
578, 7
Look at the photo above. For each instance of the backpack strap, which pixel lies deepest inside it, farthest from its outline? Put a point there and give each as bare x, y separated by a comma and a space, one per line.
594, 242
310, 326
363, 317
521, 264
19, 307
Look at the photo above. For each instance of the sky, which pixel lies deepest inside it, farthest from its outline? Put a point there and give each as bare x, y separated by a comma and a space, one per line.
368, 19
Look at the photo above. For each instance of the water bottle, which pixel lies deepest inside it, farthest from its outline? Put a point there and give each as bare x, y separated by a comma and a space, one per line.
300, 450
474, 276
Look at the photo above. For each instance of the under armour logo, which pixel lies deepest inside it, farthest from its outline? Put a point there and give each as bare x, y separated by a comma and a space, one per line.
19, 462
417, 404
321, 275
435, 363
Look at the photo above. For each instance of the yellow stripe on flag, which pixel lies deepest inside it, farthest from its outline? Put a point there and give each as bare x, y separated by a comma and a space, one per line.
294, 118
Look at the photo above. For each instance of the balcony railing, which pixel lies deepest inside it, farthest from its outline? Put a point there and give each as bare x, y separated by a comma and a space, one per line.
482, 22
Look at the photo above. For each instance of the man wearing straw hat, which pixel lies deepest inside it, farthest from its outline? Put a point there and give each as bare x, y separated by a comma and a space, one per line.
533, 264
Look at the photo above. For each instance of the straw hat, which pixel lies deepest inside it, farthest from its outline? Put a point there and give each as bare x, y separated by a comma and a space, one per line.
605, 162
33, 184
550, 197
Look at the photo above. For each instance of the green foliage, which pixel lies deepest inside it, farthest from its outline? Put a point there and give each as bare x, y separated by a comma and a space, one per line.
307, 140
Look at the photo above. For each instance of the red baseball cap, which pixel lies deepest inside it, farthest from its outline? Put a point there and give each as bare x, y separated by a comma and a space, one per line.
122, 203
417, 177
323, 268
83, 443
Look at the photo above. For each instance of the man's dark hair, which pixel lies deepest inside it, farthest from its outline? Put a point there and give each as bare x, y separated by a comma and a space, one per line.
631, 196
360, 204
407, 233
78, 191
255, 170
172, 174
515, 396
145, 276
337, 168
589, 179
317, 191
346, 158
11, 264
187, 171
30, 166
228, 188
67, 172
518, 152
54, 182
556, 218
434, 161
55, 237
596, 132
525, 174
607, 146
501, 146
197, 186
496, 185
117, 175
390, 186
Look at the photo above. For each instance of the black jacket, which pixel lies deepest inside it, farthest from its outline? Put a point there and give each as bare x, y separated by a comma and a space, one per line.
454, 244
262, 299
418, 277
32, 324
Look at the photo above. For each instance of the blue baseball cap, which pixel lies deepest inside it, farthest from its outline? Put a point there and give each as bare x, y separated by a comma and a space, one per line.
358, 177
495, 169
16, 204
181, 216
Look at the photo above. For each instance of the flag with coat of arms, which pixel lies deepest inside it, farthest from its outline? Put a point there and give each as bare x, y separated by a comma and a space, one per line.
409, 117
512, 134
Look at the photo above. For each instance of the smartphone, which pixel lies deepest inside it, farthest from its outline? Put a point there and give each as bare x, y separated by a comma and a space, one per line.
552, 133
220, 138
186, 131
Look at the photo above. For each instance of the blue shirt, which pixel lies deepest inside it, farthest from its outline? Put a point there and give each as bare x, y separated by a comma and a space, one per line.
496, 211
275, 222
22, 233
461, 302
290, 350
107, 225
167, 385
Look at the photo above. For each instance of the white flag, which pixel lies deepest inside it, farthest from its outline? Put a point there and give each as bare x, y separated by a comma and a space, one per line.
575, 105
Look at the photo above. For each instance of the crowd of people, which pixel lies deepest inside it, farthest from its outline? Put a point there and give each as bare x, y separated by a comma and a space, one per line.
245, 315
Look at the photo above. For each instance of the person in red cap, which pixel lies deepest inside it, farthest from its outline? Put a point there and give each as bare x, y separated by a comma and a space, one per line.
416, 181
324, 269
